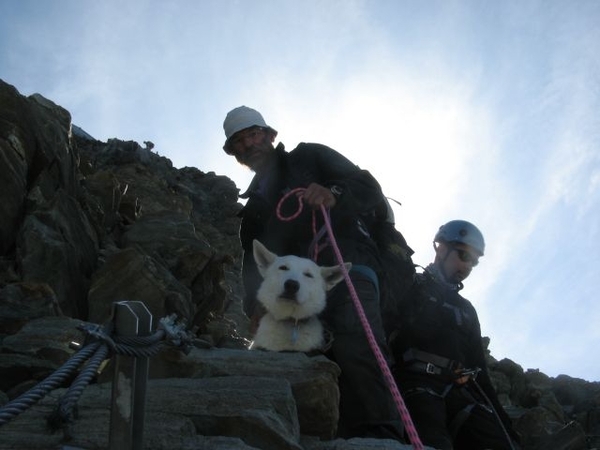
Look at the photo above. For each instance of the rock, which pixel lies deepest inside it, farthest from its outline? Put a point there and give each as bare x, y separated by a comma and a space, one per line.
254, 409
132, 275
22, 302
85, 223
313, 380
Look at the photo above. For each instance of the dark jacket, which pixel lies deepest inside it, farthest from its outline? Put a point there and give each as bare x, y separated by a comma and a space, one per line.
434, 318
360, 201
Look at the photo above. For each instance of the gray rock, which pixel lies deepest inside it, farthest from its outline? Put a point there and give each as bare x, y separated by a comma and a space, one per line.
313, 379
85, 223
175, 409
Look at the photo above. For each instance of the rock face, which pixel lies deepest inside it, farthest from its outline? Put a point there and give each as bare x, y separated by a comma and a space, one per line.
84, 224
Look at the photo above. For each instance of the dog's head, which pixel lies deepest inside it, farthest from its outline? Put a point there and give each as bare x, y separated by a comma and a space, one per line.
293, 287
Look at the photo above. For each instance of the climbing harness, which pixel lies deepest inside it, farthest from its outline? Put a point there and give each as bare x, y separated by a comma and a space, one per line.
419, 361
460, 379
387, 375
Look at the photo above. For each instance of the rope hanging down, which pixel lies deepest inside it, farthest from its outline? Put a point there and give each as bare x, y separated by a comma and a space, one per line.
387, 374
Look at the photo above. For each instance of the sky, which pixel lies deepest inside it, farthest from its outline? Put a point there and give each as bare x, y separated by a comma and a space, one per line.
487, 111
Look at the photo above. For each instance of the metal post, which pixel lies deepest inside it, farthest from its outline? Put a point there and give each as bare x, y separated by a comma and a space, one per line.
131, 318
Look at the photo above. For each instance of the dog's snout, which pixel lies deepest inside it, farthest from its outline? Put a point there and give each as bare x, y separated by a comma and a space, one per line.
291, 286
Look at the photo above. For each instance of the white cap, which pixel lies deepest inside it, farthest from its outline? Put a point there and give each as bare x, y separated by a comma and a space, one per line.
240, 118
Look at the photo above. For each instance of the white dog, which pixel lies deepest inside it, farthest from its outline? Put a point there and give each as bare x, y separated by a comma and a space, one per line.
293, 293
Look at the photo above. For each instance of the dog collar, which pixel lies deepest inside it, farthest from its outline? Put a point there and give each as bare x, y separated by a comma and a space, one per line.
295, 325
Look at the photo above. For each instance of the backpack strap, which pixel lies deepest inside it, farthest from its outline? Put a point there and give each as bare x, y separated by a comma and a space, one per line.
369, 273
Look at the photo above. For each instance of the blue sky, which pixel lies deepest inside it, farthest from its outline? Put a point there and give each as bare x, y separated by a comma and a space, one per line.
480, 110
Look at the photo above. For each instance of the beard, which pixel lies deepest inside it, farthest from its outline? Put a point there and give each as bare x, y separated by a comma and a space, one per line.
256, 156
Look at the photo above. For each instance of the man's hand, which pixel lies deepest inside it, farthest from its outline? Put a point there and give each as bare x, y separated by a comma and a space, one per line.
316, 195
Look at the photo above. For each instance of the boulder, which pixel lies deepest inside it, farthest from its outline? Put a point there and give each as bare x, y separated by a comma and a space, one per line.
85, 223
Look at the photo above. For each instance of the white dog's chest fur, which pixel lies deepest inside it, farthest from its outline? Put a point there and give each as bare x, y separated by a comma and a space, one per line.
289, 335
293, 293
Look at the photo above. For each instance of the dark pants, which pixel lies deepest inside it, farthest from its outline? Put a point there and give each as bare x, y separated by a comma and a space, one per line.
450, 419
367, 408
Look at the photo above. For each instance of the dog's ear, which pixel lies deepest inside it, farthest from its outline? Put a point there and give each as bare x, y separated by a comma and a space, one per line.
263, 257
334, 274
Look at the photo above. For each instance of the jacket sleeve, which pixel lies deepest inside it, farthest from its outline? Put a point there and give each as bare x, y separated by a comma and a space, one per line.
360, 191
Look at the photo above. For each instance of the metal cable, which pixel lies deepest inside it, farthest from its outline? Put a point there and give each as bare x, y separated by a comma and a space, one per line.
31, 397
67, 402
98, 350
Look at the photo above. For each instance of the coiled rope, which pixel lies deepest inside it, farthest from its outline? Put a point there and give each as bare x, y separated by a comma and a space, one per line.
411, 430
315, 247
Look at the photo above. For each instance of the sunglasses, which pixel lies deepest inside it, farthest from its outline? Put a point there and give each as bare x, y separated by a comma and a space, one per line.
465, 256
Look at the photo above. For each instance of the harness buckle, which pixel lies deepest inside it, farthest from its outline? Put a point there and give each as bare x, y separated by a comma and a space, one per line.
430, 368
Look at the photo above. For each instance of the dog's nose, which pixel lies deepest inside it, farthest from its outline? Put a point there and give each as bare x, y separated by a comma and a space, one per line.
291, 286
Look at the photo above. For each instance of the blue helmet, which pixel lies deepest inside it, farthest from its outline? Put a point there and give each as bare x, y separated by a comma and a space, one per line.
463, 232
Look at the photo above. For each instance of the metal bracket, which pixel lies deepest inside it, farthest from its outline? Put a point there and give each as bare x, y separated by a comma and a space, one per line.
128, 400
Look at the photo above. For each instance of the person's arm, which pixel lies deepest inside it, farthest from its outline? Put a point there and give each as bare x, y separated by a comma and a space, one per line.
351, 186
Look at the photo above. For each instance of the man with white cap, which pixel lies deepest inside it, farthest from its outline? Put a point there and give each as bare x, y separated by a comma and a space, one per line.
354, 199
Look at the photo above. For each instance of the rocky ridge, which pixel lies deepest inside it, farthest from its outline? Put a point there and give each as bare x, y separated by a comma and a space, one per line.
86, 223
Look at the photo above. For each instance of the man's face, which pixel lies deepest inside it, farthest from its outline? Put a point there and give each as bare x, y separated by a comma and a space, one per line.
252, 146
456, 260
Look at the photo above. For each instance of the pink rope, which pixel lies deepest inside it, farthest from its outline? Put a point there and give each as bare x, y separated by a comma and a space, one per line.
298, 192
387, 374
280, 216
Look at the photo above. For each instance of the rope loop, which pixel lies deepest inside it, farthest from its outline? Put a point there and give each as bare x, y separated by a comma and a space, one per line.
315, 246
298, 192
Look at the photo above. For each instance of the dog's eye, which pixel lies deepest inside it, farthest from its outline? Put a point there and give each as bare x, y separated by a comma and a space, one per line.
308, 275
284, 267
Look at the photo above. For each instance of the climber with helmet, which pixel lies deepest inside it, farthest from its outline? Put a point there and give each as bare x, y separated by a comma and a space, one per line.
353, 198
436, 343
